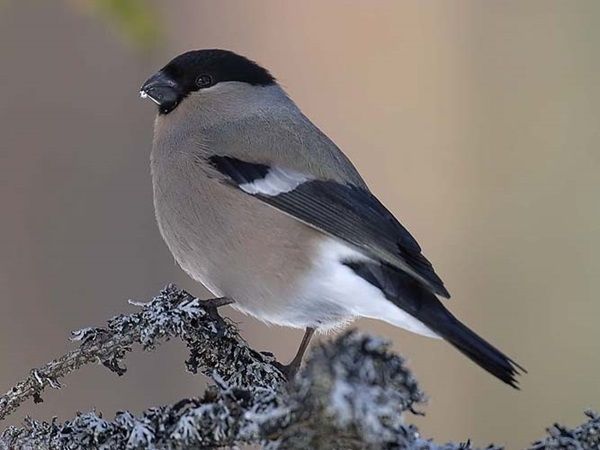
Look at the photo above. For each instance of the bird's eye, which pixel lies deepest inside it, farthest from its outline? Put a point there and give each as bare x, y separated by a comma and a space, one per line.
204, 81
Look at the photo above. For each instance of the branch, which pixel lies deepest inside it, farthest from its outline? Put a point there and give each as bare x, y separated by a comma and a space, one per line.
585, 436
352, 394
215, 347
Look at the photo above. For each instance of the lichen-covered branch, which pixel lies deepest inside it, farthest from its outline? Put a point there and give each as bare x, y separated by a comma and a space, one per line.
215, 347
352, 394
583, 437
215, 420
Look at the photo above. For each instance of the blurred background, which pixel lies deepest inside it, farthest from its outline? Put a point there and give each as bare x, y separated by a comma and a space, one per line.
475, 122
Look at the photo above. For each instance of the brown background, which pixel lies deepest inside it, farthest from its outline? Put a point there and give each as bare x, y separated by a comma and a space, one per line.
476, 122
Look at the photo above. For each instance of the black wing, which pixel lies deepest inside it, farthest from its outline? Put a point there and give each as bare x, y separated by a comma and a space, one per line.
344, 211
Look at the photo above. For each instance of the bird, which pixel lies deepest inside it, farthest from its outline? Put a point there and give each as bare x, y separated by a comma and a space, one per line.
257, 204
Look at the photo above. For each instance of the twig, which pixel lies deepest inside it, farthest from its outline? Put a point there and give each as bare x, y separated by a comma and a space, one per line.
215, 346
583, 437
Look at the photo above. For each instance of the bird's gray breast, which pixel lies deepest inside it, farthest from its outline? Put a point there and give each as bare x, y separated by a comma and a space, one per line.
234, 245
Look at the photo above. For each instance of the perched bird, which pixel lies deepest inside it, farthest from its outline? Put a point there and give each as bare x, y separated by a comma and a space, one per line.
261, 207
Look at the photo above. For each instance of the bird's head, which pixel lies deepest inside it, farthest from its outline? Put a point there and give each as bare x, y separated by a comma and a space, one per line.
201, 71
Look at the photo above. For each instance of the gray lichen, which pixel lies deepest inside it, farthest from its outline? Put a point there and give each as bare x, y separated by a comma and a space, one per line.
582, 437
352, 394
217, 419
215, 346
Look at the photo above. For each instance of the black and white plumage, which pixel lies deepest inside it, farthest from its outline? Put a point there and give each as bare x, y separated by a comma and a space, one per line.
403, 275
258, 204
344, 211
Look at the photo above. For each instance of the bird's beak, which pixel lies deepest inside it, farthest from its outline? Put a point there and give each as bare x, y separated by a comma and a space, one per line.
162, 90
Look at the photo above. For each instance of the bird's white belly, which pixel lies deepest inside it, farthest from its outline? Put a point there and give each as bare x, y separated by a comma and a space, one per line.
330, 295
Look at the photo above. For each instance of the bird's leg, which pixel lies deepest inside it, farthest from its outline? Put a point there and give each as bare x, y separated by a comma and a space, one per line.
292, 368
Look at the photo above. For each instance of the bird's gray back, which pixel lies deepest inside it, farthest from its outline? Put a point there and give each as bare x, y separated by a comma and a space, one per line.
262, 126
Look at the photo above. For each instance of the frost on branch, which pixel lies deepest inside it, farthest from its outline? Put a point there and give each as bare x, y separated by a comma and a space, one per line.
352, 394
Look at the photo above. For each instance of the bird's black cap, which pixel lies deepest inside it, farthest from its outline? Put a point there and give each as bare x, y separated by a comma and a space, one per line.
221, 65
201, 69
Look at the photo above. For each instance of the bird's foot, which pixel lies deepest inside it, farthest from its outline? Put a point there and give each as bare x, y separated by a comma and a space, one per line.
216, 303
288, 370
212, 306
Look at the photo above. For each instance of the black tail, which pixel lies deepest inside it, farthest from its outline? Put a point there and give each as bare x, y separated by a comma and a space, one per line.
408, 294
478, 350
